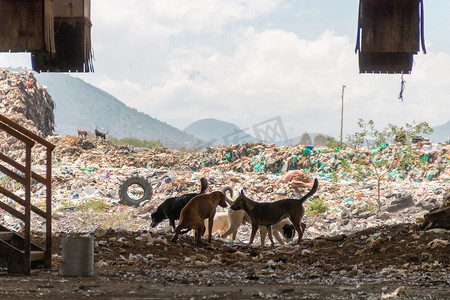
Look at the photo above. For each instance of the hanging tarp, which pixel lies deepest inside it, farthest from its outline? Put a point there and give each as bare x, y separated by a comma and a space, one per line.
389, 34
72, 39
26, 26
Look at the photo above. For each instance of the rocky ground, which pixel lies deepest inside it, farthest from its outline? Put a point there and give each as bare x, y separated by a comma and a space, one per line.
369, 264
350, 250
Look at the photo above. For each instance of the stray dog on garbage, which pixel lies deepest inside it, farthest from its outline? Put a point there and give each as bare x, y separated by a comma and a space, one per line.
237, 217
220, 223
100, 135
171, 207
192, 216
82, 134
284, 227
221, 218
269, 213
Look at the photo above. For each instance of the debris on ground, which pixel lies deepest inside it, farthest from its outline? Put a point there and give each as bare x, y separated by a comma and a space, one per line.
351, 248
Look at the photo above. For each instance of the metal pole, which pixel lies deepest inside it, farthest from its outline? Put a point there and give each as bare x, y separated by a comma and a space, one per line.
342, 111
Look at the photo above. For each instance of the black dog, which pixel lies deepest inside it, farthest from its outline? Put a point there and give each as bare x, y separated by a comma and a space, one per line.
269, 213
171, 208
100, 135
289, 231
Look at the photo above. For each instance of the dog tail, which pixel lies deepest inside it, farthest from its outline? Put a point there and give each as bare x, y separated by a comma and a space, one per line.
311, 192
224, 191
204, 185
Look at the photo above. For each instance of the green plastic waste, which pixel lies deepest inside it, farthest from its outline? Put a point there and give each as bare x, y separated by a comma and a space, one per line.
382, 147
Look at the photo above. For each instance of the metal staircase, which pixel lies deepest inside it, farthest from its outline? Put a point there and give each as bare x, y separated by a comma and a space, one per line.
17, 250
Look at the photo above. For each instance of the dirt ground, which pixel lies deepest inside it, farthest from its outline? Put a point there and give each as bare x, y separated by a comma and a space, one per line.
393, 261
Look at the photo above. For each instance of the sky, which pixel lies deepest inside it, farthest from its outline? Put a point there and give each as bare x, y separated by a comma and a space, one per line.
248, 61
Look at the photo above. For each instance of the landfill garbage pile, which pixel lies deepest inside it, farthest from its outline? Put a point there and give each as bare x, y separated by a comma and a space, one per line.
348, 242
23, 99
351, 248
87, 171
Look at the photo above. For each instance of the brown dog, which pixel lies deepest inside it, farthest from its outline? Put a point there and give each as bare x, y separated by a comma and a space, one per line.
269, 213
198, 209
82, 134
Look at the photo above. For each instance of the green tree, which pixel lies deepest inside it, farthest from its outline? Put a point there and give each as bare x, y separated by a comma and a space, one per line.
382, 158
332, 143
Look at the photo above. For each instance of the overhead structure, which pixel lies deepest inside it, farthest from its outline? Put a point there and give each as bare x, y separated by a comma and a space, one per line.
56, 32
26, 26
390, 33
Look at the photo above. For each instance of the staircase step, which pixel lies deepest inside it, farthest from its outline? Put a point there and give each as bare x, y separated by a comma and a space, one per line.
6, 235
37, 255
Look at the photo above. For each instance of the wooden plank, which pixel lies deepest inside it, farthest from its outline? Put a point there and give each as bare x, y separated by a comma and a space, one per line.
26, 132
48, 211
22, 23
21, 168
6, 236
12, 196
27, 227
12, 211
11, 174
15, 133
21, 202
36, 255
390, 63
390, 26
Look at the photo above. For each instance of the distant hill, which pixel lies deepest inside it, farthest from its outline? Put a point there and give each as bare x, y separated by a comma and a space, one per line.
81, 105
215, 132
441, 133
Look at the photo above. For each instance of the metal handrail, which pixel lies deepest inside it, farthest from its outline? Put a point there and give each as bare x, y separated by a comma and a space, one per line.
25, 176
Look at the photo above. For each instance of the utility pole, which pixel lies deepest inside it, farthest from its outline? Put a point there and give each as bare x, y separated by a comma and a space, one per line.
342, 111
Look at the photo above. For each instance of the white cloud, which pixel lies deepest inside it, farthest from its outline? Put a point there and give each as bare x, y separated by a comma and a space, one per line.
270, 73
273, 73
164, 19
180, 61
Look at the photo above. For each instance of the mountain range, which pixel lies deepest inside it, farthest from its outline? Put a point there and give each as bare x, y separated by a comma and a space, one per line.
441, 133
81, 105
216, 132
